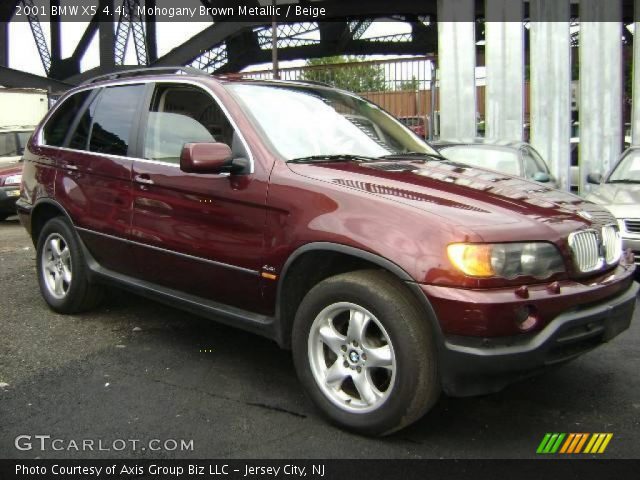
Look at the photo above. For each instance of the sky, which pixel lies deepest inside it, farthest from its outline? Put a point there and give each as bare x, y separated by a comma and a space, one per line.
23, 54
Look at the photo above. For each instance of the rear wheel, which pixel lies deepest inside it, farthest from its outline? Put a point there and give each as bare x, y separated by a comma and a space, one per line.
364, 351
62, 271
3, 217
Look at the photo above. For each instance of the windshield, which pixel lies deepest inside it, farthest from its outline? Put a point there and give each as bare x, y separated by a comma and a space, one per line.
502, 160
302, 121
628, 170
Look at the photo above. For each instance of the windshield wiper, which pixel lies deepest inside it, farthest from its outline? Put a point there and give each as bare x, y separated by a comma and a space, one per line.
331, 158
413, 155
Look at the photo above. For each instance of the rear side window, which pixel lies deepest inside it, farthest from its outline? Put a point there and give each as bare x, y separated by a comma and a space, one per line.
80, 138
113, 119
56, 129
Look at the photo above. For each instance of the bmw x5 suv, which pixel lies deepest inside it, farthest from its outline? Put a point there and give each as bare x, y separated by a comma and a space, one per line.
310, 216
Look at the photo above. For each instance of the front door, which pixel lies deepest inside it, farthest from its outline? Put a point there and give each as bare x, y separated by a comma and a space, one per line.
201, 234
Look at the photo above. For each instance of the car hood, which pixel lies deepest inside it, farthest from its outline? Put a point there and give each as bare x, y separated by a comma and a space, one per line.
622, 200
464, 195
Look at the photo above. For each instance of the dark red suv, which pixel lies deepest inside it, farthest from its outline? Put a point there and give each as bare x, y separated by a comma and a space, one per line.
310, 216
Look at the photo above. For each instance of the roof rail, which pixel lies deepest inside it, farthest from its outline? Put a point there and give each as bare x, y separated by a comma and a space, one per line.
145, 71
302, 82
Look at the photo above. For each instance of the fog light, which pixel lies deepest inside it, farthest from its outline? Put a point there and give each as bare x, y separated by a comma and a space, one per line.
526, 318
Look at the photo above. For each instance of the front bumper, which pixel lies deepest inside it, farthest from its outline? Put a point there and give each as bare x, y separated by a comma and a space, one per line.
480, 365
8, 196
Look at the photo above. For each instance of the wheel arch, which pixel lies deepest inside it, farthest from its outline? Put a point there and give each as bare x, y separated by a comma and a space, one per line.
44, 210
320, 260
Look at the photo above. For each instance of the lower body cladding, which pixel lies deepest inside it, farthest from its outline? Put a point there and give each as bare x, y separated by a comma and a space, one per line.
480, 365
8, 197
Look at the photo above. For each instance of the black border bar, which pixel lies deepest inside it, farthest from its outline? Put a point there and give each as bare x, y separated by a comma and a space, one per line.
291, 11
532, 469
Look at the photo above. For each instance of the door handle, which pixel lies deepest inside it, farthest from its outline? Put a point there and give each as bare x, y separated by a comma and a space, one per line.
71, 166
144, 179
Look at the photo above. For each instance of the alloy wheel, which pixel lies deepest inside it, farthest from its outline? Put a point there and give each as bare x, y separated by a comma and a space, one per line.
351, 357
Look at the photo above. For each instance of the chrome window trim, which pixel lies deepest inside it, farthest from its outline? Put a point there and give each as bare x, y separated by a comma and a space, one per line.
39, 138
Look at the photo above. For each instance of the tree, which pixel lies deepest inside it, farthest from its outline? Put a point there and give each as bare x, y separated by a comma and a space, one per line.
412, 85
347, 72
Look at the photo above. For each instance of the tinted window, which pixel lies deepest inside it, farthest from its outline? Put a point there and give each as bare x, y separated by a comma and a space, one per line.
8, 146
180, 115
56, 129
530, 167
80, 138
113, 118
537, 159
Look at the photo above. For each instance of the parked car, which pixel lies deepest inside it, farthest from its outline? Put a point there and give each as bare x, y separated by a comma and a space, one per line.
575, 153
417, 124
510, 157
619, 192
10, 179
392, 273
12, 143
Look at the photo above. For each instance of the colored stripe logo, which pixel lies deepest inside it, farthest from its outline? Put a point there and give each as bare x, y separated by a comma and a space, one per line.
592, 443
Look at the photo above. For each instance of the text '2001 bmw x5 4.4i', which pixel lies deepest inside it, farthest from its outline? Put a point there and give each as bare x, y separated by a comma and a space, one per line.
310, 216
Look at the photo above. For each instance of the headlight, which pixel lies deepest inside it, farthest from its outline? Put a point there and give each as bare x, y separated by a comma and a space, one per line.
13, 180
506, 260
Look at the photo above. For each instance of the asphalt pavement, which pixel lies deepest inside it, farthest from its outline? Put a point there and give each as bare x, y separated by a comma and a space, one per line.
136, 371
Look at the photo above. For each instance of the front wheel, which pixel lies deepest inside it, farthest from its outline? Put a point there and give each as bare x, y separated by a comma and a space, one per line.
364, 351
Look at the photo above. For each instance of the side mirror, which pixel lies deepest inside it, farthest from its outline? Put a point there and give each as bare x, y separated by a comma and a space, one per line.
206, 158
594, 178
542, 177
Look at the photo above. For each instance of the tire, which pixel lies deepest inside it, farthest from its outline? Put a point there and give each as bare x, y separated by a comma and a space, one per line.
3, 217
62, 271
384, 381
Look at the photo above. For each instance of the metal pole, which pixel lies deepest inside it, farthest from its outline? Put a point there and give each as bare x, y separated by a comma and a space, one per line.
434, 97
274, 43
635, 105
551, 86
600, 88
457, 64
504, 94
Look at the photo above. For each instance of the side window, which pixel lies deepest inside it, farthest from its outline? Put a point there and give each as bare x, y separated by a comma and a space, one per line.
113, 119
532, 164
80, 138
542, 166
183, 114
56, 129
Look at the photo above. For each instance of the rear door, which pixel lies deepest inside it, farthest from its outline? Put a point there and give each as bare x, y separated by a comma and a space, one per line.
198, 233
94, 177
